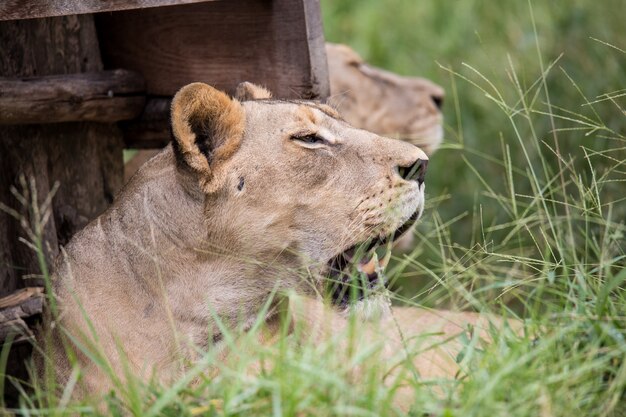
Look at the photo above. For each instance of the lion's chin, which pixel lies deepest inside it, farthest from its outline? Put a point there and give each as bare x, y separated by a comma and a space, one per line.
356, 275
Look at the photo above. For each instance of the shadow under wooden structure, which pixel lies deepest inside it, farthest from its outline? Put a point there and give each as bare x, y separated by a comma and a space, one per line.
82, 79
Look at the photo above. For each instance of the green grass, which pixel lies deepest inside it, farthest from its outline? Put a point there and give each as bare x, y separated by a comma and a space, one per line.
526, 218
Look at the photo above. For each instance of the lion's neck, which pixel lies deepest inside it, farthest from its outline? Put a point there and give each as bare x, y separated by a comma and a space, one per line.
185, 265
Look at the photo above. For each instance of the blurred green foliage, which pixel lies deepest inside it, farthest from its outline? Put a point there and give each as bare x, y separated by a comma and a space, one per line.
422, 37
490, 56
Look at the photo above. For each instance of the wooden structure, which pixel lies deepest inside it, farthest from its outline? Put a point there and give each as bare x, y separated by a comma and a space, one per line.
106, 96
81, 79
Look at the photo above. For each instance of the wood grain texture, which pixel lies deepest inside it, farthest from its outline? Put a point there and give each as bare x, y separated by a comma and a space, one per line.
18, 307
84, 158
107, 96
275, 43
29, 9
17, 298
152, 128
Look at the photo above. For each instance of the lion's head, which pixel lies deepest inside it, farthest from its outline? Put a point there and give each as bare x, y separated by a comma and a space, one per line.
292, 178
407, 108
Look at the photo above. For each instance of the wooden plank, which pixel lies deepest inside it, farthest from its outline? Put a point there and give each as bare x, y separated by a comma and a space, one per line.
18, 307
106, 96
152, 128
20, 296
22, 308
277, 43
29, 9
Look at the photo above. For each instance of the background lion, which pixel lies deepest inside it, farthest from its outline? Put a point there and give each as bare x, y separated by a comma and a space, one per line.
407, 108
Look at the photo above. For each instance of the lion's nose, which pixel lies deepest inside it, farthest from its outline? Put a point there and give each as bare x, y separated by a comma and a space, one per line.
415, 171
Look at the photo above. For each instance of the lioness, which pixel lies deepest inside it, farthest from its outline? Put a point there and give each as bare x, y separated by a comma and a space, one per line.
250, 197
407, 108
254, 196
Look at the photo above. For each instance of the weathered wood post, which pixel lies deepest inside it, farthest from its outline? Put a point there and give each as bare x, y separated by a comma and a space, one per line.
85, 158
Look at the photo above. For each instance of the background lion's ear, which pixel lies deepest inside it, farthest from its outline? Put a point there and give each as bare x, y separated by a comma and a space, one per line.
207, 127
248, 91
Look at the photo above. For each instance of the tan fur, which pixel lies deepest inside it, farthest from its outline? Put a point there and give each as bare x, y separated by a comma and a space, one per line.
193, 236
415, 345
432, 334
430, 340
383, 102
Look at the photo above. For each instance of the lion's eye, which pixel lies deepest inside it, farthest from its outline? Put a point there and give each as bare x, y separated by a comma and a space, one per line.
310, 139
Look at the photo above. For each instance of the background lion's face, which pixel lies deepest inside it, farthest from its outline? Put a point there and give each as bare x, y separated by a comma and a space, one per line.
406, 108
305, 181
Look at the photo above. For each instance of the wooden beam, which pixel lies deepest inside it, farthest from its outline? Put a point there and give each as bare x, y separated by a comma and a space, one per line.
275, 43
107, 96
29, 9
18, 307
152, 128
19, 297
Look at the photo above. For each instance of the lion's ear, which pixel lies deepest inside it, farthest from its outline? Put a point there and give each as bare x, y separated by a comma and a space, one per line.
248, 91
208, 127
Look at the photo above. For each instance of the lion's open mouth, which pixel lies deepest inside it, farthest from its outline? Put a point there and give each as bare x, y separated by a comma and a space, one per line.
358, 270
